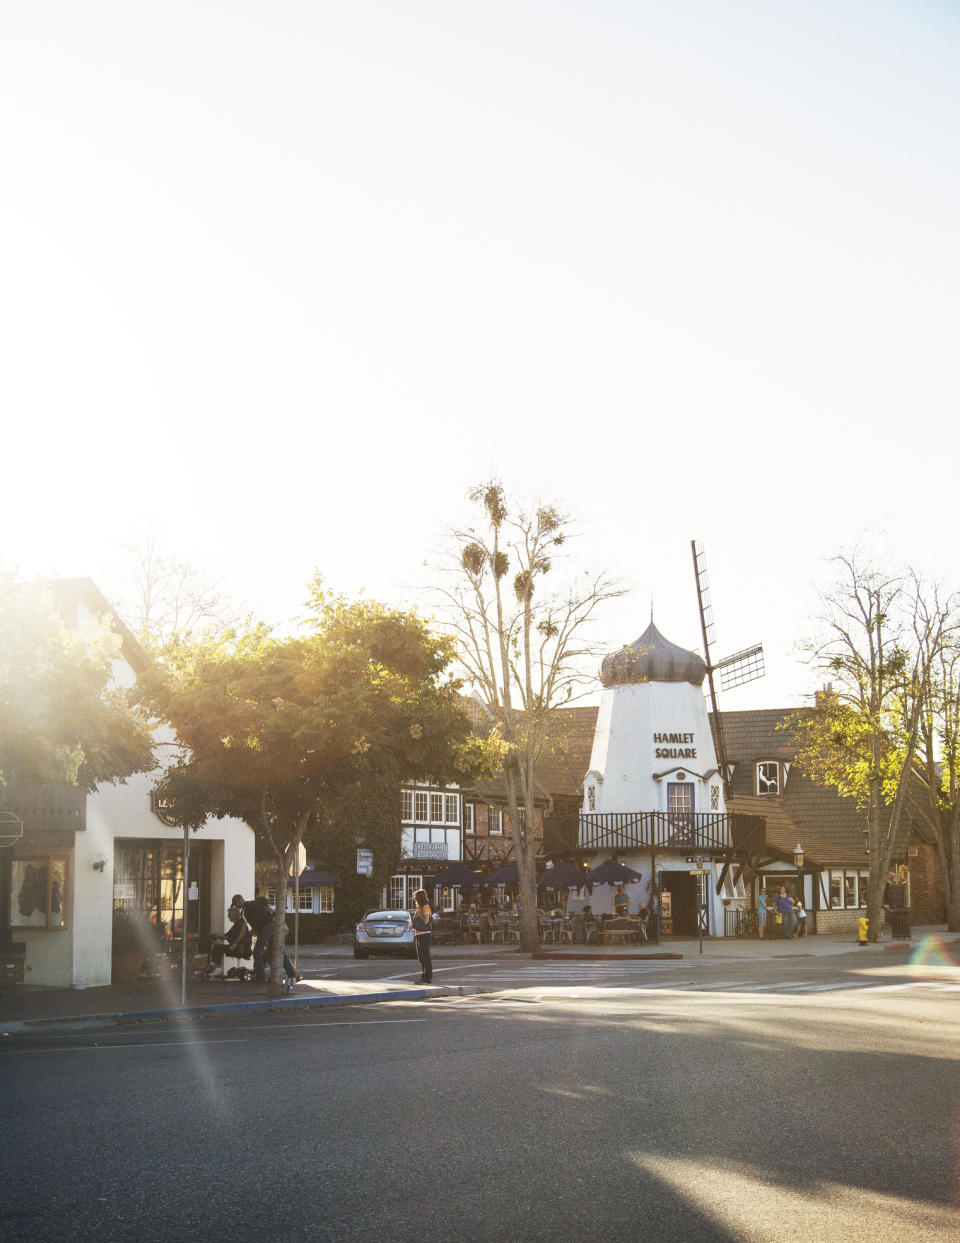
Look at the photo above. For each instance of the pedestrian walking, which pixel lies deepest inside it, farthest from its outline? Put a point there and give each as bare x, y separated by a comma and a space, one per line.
423, 934
261, 917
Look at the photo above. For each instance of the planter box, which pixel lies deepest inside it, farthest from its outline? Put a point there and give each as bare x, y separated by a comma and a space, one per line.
125, 966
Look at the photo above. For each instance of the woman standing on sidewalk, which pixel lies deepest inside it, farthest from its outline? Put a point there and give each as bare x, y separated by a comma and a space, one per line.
422, 934
784, 905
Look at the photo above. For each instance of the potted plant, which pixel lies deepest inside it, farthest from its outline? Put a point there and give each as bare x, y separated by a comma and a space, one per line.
134, 936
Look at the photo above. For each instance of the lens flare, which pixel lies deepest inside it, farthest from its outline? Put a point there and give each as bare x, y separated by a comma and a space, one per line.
932, 955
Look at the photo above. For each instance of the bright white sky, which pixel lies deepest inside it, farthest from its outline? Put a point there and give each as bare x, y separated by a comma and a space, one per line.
284, 279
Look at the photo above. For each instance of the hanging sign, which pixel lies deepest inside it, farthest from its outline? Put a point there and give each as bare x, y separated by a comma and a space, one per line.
364, 862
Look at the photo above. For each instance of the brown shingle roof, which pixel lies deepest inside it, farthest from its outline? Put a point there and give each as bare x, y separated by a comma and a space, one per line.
784, 832
565, 757
818, 812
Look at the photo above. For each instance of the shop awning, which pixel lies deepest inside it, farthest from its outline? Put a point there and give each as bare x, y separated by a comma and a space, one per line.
318, 880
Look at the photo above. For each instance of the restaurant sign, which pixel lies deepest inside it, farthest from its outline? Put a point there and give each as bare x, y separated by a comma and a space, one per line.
429, 850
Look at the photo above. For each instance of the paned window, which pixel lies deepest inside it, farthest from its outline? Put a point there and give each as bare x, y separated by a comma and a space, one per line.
406, 805
591, 798
469, 817
714, 798
401, 891
679, 796
38, 892
436, 809
325, 894
495, 819
848, 890
451, 809
768, 777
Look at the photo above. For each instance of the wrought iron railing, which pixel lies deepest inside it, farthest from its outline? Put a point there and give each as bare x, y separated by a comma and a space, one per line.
668, 830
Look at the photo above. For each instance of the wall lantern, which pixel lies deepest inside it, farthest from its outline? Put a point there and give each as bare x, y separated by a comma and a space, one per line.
100, 863
798, 857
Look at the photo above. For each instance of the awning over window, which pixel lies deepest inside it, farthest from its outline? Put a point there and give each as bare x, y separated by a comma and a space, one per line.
318, 880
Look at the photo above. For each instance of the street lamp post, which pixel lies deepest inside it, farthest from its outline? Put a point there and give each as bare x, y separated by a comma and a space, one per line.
798, 864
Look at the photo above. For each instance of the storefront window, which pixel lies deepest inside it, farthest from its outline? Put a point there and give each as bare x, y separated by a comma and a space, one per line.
836, 890
849, 889
148, 876
38, 888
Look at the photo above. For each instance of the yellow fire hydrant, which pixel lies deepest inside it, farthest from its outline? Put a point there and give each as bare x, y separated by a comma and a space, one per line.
862, 924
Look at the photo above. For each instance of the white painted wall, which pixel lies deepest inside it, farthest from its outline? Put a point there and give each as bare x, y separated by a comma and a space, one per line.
624, 755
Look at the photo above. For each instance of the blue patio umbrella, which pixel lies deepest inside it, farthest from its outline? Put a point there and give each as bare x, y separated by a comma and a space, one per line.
457, 873
561, 876
506, 874
611, 873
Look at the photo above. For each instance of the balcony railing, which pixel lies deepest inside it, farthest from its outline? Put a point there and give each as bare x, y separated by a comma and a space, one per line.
670, 830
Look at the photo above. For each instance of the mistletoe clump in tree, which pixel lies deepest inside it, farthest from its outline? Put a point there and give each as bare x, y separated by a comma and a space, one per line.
522, 647
271, 728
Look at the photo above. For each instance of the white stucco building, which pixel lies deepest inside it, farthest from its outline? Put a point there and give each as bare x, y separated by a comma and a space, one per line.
81, 856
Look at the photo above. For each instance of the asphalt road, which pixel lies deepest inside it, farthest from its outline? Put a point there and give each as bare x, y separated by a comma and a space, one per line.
684, 1103
783, 970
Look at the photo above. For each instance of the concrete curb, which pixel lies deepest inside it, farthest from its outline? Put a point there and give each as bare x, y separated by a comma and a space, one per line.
131, 1018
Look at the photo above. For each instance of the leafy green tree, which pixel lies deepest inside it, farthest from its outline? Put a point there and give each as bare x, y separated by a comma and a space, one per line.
882, 634
522, 648
62, 719
272, 729
361, 810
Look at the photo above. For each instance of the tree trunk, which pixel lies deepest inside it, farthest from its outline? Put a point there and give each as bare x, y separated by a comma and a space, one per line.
275, 987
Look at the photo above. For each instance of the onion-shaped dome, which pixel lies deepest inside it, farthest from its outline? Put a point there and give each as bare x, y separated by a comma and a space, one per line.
652, 658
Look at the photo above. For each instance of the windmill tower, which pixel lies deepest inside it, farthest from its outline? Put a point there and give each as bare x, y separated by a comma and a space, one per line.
736, 670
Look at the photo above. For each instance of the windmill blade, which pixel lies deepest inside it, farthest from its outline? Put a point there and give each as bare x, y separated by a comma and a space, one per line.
706, 627
703, 596
741, 667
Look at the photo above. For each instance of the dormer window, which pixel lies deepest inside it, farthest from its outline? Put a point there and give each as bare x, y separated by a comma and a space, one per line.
768, 777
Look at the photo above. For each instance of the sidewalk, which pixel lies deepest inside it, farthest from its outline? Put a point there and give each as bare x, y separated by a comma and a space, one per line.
27, 1008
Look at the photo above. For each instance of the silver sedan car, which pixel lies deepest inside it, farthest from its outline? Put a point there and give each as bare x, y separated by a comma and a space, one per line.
385, 932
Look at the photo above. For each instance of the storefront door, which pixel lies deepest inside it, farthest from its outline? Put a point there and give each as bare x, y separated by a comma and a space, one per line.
683, 901
148, 876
